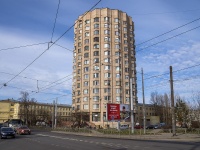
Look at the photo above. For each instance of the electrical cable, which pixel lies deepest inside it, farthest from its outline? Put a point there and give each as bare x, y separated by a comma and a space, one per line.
49, 46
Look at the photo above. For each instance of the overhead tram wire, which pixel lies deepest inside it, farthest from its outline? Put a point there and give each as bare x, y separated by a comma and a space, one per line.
49, 47
168, 32
167, 39
55, 20
23, 46
155, 76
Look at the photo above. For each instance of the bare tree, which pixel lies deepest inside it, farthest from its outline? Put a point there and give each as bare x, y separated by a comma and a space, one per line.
27, 113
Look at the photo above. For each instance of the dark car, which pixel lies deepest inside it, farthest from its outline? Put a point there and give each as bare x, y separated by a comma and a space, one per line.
7, 132
150, 127
138, 127
23, 130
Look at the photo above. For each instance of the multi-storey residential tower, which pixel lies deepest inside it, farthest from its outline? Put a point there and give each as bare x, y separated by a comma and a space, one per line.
104, 61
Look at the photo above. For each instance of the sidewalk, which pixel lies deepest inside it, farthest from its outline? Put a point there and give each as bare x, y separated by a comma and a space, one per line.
161, 136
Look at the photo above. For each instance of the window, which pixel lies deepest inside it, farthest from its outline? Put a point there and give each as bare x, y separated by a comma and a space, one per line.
85, 106
125, 42
116, 26
96, 39
96, 26
118, 90
106, 45
78, 107
79, 44
78, 85
96, 46
80, 31
127, 99
107, 67
95, 106
79, 57
106, 31
117, 46
79, 50
96, 67
125, 55
125, 29
86, 83
87, 21
86, 55
95, 75
107, 39
80, 25
78, 92
86, 69
107, 90
96, 98
96, 53
86, 76
107, 75
127, 91
124, 23
85, 99
79, 64
118, 75
86, 62
126, 69
86, 48
107, 60
117, 54
79, 38
106, 25
127, 84
116, 20
117, 61
117, 39
125, 35
107, 98
96, 32
118, 83
106, 19
116, 32
96, 90
126, 77
96, 19
118, 68
78, 100
107, 53
126, 49
87, 28
86, 41
107, 82
96, 82
87, 34
118, 98
85, 91
96, 60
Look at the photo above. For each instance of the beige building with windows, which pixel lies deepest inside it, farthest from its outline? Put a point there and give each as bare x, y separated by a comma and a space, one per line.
12, 109
104, 61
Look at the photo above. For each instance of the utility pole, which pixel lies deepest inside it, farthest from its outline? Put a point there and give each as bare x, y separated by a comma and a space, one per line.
172, 103
53, 110
144, 109
56, 112
132, 111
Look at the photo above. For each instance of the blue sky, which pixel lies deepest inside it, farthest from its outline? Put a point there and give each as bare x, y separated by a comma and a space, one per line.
25, 22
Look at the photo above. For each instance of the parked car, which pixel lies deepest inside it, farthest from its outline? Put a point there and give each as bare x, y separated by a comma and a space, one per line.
124, 126
23, 130
7, 132
157, 126
150, 127
138, 127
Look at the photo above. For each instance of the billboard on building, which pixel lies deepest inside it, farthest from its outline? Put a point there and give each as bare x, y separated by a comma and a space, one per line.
125, 111
113, 112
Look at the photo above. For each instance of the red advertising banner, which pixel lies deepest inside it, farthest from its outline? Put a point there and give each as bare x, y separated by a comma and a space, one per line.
113, 111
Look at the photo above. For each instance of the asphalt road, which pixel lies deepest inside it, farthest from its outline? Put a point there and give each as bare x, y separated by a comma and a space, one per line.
44, 140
